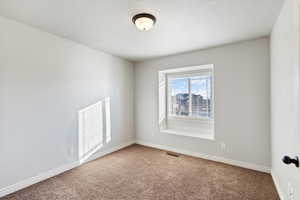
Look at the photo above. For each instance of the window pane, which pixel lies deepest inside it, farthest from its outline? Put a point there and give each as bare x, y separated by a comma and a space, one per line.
179, 96
201, 96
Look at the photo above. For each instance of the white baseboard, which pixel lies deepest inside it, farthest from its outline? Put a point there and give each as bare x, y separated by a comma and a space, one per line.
43, 176
110, 150
277, 185
209, 157
32, 180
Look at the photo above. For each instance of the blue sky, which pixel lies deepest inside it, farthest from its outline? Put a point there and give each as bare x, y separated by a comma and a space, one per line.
199, 86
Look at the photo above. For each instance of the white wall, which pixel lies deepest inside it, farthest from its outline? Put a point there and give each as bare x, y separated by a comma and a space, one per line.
285, 99
44, 81
241, 101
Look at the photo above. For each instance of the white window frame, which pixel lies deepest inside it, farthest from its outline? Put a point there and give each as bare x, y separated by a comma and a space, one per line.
164, 101
183, 74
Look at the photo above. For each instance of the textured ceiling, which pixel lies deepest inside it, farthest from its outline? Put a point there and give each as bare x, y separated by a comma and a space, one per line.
182, 25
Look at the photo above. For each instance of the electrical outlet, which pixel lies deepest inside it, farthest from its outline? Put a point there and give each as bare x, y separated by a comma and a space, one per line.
291, 191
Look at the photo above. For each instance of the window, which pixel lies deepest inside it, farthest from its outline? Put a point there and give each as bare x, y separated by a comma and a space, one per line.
190, 96
186, 101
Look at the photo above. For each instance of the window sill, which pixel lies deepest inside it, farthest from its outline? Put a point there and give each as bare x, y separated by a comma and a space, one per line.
202, 135
171, 117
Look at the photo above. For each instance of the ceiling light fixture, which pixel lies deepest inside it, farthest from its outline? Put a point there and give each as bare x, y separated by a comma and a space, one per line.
144, 21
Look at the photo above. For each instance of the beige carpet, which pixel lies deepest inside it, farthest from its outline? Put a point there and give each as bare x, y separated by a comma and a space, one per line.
142, 173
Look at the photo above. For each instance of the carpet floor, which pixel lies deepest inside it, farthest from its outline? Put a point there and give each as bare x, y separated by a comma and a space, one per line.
143, 173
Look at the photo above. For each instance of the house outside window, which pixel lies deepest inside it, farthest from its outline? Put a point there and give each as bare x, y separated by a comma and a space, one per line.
186, 101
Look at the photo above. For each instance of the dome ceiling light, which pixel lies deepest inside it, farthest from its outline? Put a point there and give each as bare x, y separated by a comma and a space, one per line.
144, 21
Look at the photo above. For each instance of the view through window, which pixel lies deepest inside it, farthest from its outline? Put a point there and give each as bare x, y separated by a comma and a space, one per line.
186, 101
190, 96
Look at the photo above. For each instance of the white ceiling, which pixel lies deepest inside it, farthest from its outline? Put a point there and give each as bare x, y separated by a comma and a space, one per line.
182, 25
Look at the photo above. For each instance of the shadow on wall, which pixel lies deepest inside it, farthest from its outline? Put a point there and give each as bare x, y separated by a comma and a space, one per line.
94, 129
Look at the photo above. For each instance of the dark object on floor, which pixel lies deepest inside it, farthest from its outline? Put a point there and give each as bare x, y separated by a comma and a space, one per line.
169, 153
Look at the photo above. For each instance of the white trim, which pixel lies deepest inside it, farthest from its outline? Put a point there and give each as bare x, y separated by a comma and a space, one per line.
100, 154
204, 134
187, 68
277, 185
182, 117
30, 181
43, 176
209, 157
166, 95
53, 172
203, 73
